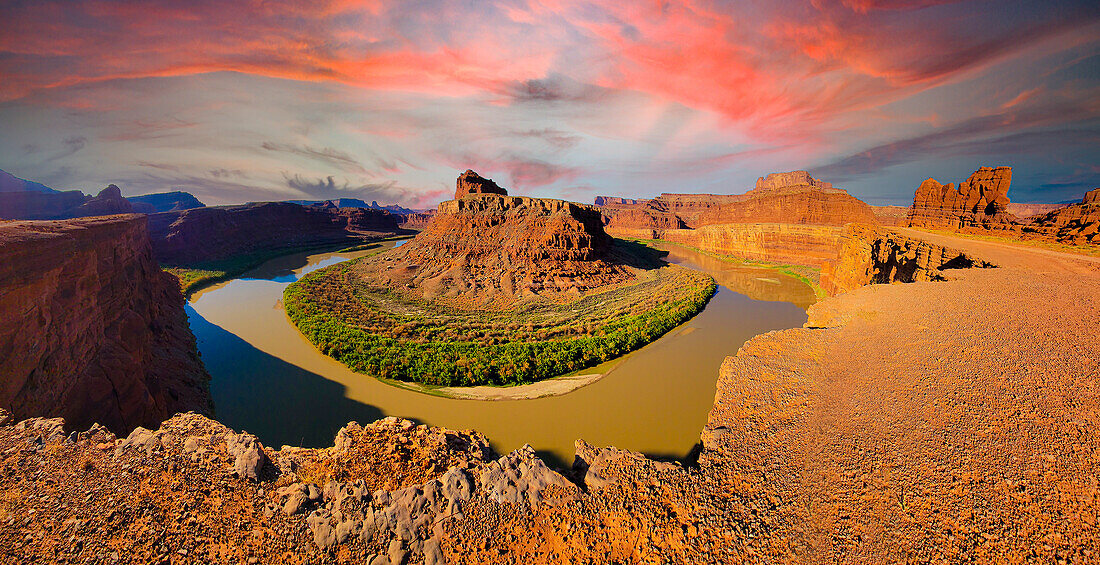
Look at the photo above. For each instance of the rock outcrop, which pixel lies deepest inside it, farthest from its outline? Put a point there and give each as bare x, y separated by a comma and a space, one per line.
32, 205
470, 182
91, 329
164, 202
218, 233
784, 181
870, 255
1077, 224
485, 247
891, 215
979, 201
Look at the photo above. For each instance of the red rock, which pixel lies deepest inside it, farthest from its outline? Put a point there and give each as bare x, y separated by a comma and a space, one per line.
981, 200
1077, 224
867, 254
470, 182
495, 249
91, 329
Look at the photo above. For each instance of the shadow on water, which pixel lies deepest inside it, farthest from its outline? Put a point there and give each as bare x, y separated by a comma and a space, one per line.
263, 394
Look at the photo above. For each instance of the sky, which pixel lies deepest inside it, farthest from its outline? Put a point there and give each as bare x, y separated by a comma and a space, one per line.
390, 100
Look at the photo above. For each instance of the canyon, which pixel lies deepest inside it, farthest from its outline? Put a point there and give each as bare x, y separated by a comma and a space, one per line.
220, 233
786, 218
987, 455
901, 422
94, 331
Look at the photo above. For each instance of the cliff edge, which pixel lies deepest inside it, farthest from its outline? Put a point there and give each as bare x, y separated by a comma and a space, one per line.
91, 329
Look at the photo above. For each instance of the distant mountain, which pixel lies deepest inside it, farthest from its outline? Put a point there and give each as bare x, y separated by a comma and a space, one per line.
12, 183
357, 203
164, 202
31, 205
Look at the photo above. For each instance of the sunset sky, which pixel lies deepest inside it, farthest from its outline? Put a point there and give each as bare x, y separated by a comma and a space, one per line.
389, 100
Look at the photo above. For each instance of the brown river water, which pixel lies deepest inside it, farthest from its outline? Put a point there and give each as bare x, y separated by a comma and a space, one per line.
270, 381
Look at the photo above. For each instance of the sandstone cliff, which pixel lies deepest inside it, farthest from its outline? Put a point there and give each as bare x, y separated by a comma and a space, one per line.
788, 217
484, 247
223, 232
775, 242
870, 255
470, 182
979, 201
416, 221
91, 329
1077, 224
30, 205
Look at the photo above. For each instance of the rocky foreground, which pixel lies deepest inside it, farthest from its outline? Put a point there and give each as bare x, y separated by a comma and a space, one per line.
933, 421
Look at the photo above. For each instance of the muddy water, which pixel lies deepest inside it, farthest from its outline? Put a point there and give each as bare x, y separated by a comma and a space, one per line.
268, 380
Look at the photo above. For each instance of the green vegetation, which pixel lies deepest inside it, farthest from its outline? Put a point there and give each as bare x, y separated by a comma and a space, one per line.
809, 275
1090, 250
383, 333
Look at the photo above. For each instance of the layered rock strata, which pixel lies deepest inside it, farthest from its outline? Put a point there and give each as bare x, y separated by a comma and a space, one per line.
92, 330
870, 255
774, 242
470, 182
788, 217
979, 201
218, 233
488, 247
1074, 224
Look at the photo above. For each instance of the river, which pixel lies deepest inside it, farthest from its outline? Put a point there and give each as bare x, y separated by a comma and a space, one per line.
270, 381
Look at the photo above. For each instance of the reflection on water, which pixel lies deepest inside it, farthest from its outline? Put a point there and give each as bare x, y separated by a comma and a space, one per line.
269, 380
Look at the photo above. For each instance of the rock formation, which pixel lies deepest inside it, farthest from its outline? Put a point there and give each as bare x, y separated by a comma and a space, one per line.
91, 329
1077, 224
788, 217
891, 215
222, 232
801, 244
164, 202
619, 201
785, 181
32, 205
470, 182
483, 247
869, 255
416, 221
979, 201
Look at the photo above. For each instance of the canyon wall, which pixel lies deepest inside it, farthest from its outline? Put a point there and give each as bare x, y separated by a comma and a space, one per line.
774, 242
871, 255
91, 329
218, 233
792, 205
979, 201
787, 218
